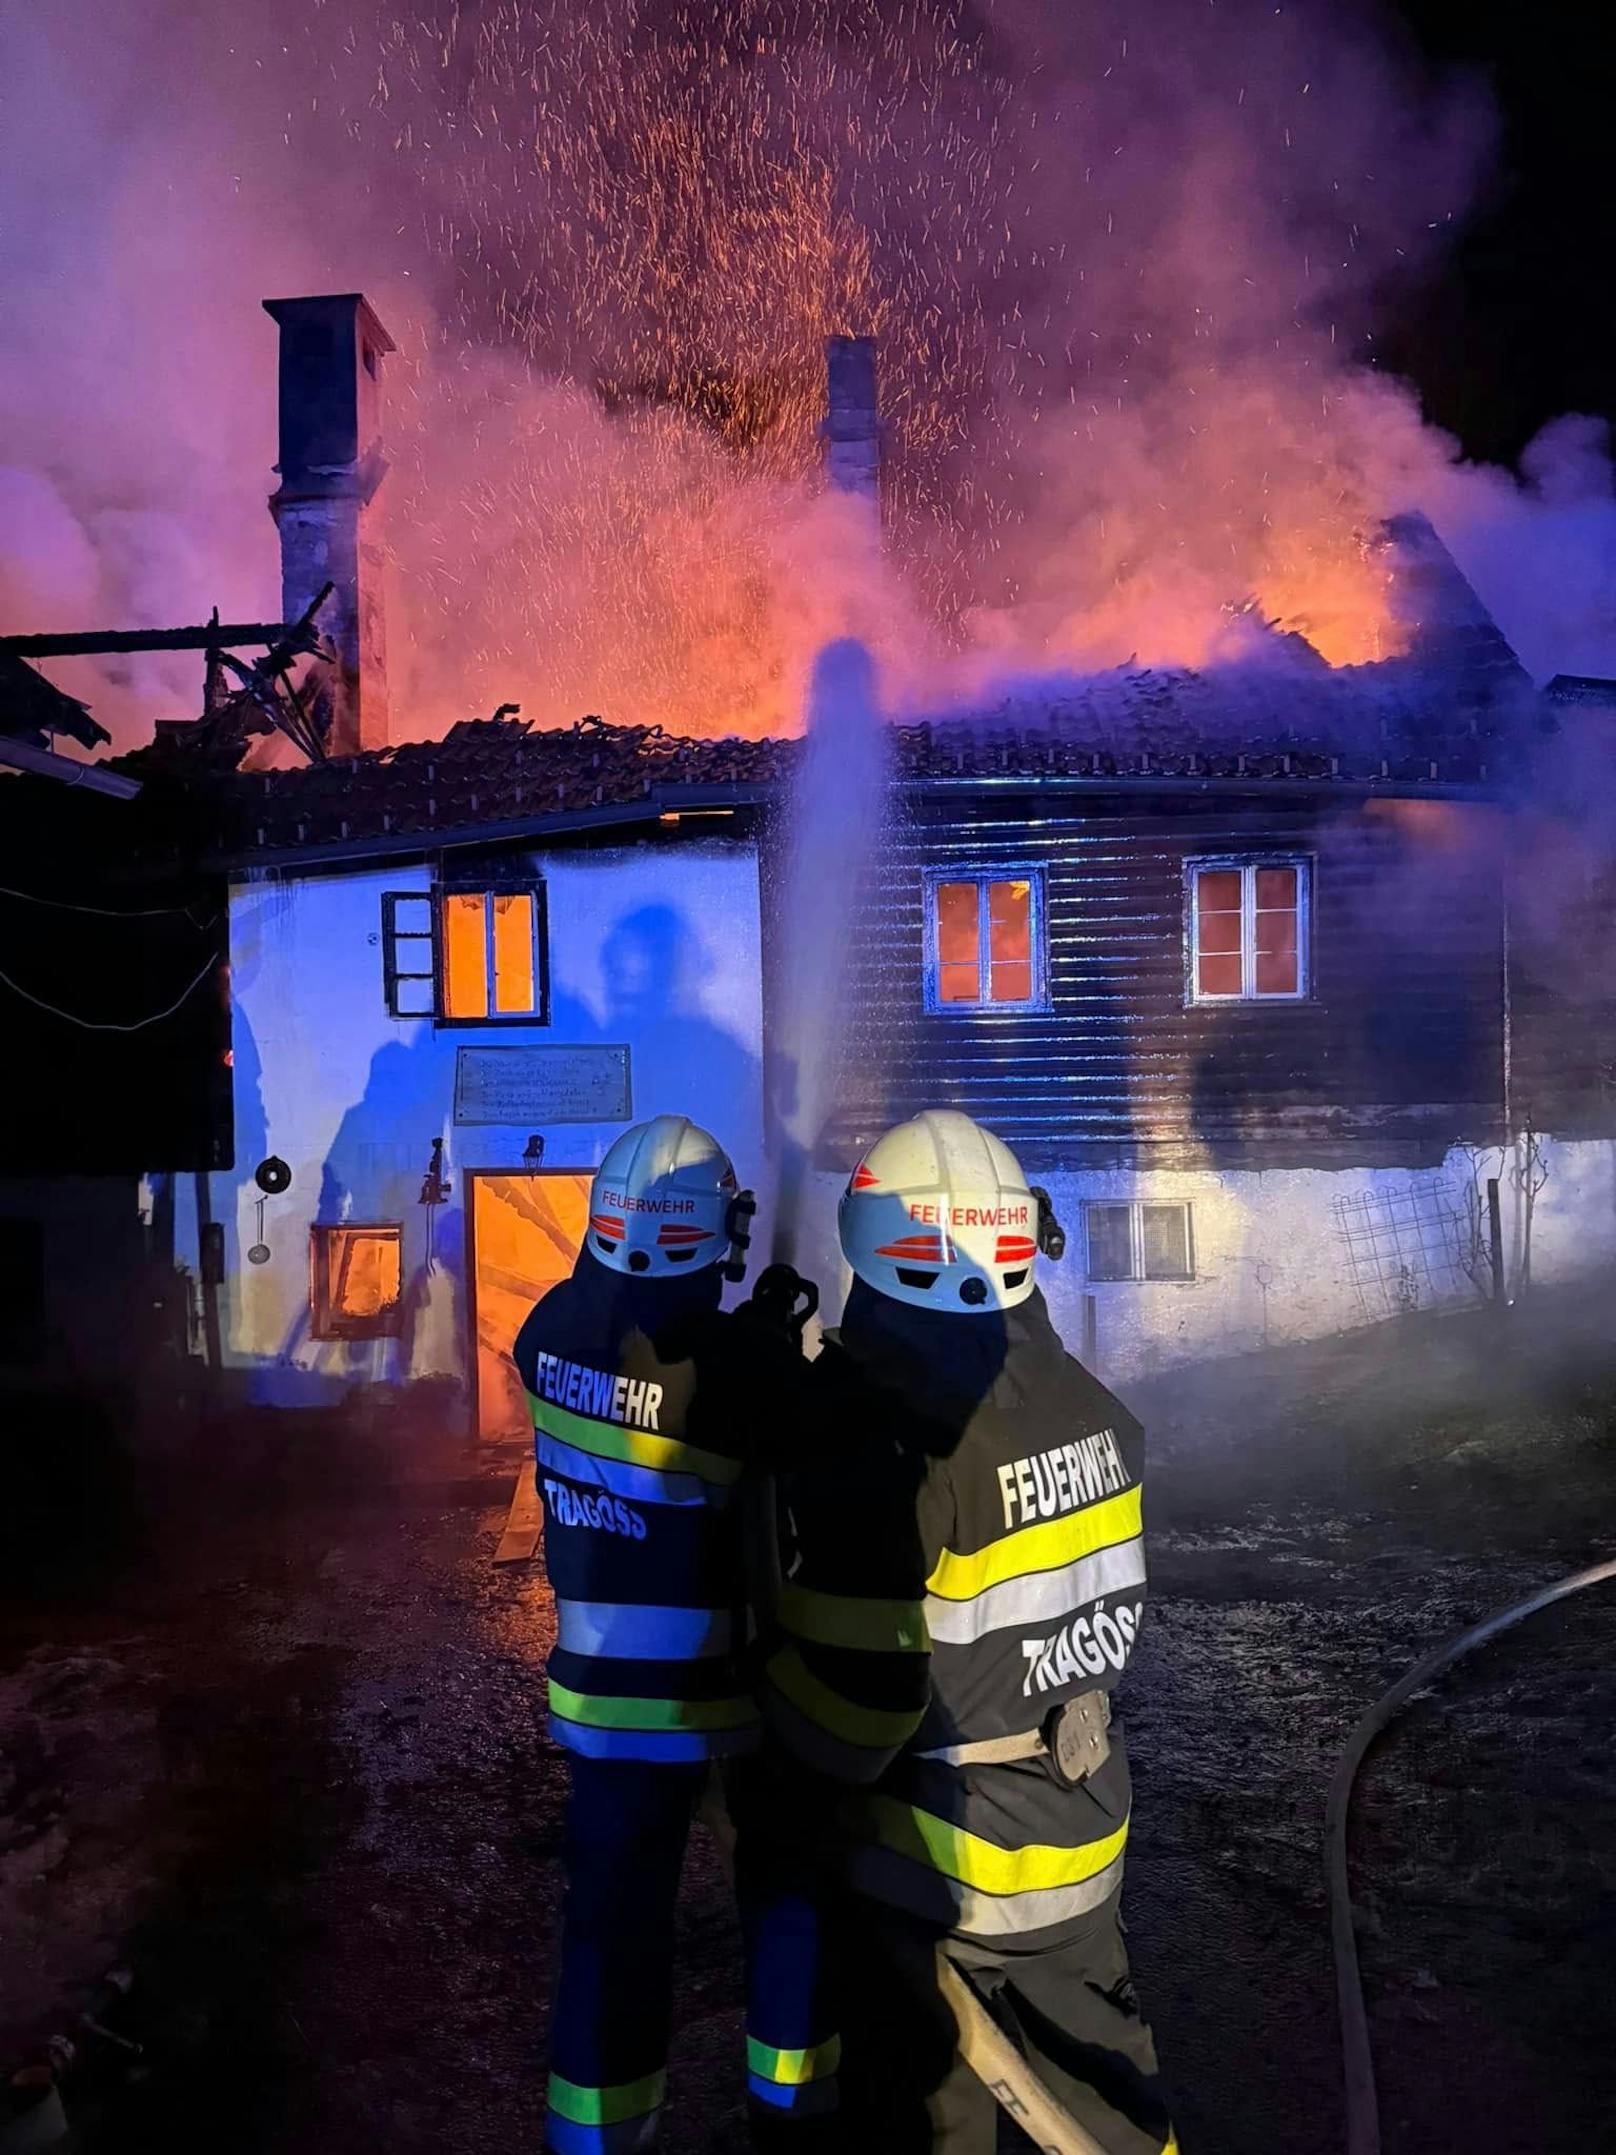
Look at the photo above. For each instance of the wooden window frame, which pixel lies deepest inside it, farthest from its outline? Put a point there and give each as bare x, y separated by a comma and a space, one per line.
1247, 866
326, 1323
395, 976
1136, 1208
982, 876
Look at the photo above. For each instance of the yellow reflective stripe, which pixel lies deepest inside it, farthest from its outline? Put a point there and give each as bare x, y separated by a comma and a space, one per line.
983, 1865
596, 1710
876, 1728
1038, 1548
635, 1447
606, 2106
793, 2068
890, 1627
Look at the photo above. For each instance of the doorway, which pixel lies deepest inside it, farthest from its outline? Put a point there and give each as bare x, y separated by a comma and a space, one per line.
526, 1231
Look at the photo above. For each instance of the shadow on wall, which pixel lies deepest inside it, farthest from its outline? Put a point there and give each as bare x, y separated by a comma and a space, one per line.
372, 1176
653, 971
654, 968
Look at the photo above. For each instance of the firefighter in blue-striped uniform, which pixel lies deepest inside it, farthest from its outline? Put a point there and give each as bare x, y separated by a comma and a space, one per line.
953, 1620
643, 1431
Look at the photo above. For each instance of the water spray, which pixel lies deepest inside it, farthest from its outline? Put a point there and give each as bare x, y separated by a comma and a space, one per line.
834, 813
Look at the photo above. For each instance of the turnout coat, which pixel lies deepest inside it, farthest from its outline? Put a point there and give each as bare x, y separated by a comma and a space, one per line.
638, 1462
956, 1577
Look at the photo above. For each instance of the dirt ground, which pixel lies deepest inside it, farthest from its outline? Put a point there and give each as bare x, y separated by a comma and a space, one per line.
279, 1754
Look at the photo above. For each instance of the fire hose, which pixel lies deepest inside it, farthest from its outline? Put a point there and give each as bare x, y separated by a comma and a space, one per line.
996, 2060
1363, 2114
1005, 2073
986, 2048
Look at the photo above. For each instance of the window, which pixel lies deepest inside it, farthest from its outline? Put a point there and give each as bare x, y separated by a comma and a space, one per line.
1248, 931
355, 1281
1139, 1242
985, 939
467, 957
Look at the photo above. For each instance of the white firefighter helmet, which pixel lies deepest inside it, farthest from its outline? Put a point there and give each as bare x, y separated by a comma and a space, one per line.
938, 1213
664, 1201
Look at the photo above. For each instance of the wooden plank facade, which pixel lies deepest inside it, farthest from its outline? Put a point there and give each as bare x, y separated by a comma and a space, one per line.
1395, 1052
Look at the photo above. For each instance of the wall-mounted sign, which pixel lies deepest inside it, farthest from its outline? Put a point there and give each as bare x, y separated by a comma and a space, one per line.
539, 1085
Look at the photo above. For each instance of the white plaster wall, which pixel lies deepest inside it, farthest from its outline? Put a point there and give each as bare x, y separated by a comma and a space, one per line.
656, 946
1573, 1213
1274, 1258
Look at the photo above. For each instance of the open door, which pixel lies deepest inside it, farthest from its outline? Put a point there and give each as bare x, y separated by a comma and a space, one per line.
526, 1231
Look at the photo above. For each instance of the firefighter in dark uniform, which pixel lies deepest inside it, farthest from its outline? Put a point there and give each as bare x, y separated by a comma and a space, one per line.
954, 1618
640, 1459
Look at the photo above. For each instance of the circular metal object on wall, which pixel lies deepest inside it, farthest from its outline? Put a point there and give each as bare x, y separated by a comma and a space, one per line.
258, 1254
272, 1176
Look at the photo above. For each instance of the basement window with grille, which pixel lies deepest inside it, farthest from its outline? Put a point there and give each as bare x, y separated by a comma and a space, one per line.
1247, 932
985, 939
467, 957
355, 1281
1139, 1242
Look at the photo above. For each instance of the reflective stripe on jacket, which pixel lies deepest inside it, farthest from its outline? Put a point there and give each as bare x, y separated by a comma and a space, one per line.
1019, 1531
641, 1537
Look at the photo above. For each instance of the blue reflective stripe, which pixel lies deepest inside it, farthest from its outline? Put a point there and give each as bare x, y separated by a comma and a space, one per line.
643, 1631
812, 2098
640, 1485
627, 2137
654, 1746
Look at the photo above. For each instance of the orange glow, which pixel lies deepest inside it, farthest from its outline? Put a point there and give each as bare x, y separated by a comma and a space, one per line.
367, 1269
959, 972
465, 955
513, 952
1010, 942
526, 1233
1118, 424
357, 1279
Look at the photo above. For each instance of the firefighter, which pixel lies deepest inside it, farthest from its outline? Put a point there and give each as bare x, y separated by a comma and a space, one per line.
954, 1619
647, 1408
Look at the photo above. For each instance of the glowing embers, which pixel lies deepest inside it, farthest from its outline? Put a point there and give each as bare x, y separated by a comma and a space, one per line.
984, 934
355, 1281
490, 965
1248, 930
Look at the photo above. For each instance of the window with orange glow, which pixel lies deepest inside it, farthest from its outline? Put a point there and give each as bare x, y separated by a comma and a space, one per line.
1248, 931
984, 940
355, 1281
466, 957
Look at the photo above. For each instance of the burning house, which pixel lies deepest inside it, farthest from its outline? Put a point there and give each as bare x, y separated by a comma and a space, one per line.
1238, 961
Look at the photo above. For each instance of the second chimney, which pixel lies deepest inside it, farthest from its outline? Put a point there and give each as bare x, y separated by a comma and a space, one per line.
852, 427
330, 466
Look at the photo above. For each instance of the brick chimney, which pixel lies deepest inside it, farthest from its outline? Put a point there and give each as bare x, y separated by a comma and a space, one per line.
852, 426
331, 464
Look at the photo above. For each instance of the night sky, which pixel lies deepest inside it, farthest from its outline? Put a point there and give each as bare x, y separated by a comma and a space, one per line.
1521, 324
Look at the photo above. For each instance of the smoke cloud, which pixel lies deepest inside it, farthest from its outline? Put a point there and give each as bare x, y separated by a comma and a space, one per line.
1125, 264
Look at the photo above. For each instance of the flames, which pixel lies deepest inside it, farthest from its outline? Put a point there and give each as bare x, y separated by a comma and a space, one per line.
1114, 267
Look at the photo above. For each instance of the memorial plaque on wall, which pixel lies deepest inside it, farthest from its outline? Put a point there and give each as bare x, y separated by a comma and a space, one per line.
533, 1086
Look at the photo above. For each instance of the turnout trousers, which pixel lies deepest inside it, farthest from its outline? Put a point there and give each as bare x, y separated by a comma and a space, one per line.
628, 1823
1070, 2008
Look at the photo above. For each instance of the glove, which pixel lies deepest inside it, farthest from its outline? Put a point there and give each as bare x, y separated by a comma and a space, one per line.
783, 1300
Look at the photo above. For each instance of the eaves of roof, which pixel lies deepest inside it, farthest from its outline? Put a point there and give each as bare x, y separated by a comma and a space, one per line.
674, 801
